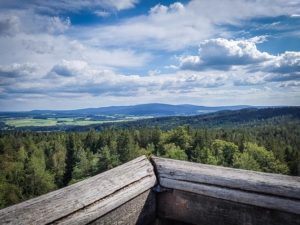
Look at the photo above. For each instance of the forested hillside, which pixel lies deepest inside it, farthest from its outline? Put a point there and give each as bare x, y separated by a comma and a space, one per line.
248, 117
34, 163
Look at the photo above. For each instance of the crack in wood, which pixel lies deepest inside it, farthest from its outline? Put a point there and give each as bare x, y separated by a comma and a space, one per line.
230, 188
99, 200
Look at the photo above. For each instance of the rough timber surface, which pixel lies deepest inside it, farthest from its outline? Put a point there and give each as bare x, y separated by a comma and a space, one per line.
87, 200
138, 211
199, 209
266, 190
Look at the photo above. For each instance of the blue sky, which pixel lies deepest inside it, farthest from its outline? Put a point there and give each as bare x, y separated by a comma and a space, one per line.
93, 53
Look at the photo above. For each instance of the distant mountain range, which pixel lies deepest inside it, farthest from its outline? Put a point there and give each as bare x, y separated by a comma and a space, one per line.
153, 109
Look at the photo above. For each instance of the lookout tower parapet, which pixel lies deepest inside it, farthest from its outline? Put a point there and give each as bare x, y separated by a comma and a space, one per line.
166, 191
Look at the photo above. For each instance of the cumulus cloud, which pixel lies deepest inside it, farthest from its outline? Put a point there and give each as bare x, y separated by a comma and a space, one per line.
161, 9
67, 69
289, 84
282, 77
288, 62
222, 54
17, 70
284, 67
76, 77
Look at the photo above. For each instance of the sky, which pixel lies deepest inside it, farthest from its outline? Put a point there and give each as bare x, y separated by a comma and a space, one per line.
70, 54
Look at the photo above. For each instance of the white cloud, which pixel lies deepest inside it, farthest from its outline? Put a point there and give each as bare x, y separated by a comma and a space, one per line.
250, 80
259, 39
222, 54
77, 77
104, 87
18, 70
176, 26
173, 8
48, 49
83, 62
154, 72
293, 84
69, 5
102, 13
295, 15
243, 9
282, 77
171, 67
13, 22
288, 62
116, 4
55, 24
206, 81
267, 88
39, 47
165, 27
67, 69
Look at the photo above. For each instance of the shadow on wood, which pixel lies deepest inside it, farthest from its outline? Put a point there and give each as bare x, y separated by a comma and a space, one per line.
205, 194
141, 211
200, 209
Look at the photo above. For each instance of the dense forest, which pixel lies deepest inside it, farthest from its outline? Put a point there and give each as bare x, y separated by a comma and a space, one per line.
247, 117
34, 163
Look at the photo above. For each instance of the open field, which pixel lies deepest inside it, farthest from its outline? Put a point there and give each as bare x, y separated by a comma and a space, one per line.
31, 122
81, 121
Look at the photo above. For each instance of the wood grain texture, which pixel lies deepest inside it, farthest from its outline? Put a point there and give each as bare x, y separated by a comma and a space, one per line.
139, 211
254, 188
199, 209
87, 200
161, 221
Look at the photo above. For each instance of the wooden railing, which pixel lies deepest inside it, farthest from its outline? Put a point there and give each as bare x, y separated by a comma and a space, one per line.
96, 200
205, 194
168, 192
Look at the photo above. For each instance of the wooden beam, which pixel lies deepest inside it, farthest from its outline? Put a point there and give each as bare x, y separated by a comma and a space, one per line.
271, 191
87, 200
199, 209
139, 211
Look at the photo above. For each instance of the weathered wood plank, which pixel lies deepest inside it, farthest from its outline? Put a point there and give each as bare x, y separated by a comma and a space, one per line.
139, 211
250, 198
161, 221
199, 209
87, 200
260, 189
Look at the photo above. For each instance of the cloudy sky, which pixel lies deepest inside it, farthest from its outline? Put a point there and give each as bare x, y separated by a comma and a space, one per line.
66, 54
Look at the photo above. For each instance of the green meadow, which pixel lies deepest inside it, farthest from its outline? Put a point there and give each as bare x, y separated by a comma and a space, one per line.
80, 121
